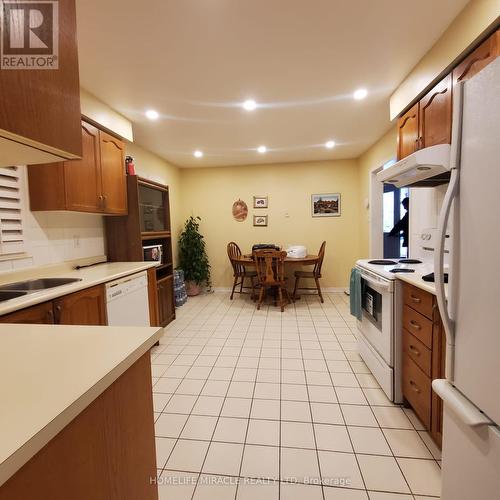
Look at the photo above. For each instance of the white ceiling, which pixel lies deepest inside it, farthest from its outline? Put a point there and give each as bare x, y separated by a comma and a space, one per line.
196, 61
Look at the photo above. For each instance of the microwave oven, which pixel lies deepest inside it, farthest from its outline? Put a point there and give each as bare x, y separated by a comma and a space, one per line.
153, 253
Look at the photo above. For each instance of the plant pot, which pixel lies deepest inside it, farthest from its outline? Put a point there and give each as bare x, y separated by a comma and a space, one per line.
192, 288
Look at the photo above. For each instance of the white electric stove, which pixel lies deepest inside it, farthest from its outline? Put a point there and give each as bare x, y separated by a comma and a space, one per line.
379, 338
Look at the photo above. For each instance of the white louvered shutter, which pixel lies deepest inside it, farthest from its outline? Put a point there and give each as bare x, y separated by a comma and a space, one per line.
11, 224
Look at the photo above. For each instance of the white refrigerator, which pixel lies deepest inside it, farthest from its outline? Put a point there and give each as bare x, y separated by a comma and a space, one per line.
471, 311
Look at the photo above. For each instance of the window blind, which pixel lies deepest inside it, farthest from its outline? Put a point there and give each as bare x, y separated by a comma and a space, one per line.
11, 224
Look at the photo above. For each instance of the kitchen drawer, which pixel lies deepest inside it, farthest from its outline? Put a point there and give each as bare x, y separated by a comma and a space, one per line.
418, 325
420, 300
417, 390
417, 351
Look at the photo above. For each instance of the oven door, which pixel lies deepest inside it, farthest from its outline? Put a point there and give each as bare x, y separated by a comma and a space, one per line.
376, 326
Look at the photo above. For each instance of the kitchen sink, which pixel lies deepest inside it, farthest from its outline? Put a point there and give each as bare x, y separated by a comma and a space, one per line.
7, 295
36, 285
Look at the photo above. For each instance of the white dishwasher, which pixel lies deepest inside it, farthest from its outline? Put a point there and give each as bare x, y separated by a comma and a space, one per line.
127, 301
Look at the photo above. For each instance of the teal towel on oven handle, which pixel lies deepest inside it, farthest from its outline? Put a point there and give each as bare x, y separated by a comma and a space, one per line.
355, 293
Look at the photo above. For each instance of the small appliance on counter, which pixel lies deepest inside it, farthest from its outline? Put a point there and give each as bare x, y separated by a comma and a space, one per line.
296, 252
153, 253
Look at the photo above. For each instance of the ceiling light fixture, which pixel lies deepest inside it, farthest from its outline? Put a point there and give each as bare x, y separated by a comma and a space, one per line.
330, 144
152, 114
250, 105
360, 94
198, 154
262, 149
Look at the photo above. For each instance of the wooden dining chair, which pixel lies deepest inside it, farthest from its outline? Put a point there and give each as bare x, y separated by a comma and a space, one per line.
315, 274
270, 265
240, 273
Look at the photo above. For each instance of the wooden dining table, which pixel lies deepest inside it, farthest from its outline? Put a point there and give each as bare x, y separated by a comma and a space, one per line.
308, 260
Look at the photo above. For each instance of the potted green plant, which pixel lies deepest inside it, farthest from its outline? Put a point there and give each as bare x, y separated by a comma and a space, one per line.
193, 258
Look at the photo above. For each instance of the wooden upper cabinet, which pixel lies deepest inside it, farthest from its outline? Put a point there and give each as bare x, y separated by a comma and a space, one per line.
435, 111
41, 314
408, 132
87, 307
429, 121
40, 109
478, 59
83, 177
114, 181
97, 183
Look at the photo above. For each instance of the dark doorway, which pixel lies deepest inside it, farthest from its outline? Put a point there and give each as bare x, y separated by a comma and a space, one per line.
393, 212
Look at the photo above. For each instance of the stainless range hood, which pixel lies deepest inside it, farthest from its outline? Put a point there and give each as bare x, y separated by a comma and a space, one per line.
427, 167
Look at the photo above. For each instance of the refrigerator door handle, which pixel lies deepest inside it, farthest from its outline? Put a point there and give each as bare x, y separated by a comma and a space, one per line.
445, 305
439, 257
456, 402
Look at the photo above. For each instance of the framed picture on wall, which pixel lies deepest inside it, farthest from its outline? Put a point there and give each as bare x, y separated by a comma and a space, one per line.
260, 220
325, 205
260, 202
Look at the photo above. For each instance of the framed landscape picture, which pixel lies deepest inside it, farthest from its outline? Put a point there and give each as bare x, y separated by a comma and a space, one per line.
325, 205
260, 220
260, 202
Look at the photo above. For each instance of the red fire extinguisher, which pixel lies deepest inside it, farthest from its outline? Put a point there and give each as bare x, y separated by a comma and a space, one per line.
129, 165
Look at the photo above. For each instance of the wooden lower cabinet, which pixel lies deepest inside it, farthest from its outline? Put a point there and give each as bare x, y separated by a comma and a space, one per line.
41, 314
154, 318
166, 305
86, 307
423, 357
106, 453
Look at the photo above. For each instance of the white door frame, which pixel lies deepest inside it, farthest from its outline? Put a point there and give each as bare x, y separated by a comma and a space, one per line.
375, 218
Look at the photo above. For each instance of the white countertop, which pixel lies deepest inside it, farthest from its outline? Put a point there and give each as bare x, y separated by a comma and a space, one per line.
49, 374
415, 279
91, 276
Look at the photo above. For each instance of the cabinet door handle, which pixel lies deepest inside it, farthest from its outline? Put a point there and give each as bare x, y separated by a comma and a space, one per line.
415, 325
58, 313
417, 300
414, 350
104, 201
50, 315
414, 387
101, 201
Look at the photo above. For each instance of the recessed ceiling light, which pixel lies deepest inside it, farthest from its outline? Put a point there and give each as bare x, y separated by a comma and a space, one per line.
152, 114
262, 149
198, 153
360, 94
330, 144
249, 105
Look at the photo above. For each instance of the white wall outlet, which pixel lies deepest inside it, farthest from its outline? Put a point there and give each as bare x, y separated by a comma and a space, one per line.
76, 241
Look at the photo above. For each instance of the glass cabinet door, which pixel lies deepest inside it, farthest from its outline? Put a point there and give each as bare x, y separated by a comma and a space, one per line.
153, 217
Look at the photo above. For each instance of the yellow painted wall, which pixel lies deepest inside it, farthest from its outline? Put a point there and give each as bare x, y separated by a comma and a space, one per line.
153, 167
381, 152
101, 113
475, 18
210, 193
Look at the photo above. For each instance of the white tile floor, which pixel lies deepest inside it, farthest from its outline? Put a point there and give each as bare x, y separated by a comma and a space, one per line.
261, 404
